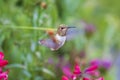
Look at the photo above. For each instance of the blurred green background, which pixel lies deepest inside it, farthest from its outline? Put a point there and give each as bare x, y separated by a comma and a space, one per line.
30, 61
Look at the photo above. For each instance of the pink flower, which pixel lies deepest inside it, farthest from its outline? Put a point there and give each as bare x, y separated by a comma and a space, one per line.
64, 78
91, 68
66, 71
78, 74
106, 64
77, 69
86, 79
1, 56
3, 63
101, 78
93, 73
4, 75
74, 77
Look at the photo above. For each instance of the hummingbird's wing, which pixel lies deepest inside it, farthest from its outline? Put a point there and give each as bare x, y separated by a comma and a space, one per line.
74, 32
48, 43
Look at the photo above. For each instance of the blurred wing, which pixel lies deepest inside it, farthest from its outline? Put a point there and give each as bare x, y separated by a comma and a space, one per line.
74, 32
48, 43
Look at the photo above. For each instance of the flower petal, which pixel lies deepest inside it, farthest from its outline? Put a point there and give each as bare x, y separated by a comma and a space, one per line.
91, 68
106, 64
95, 62
93, 73
74, 77
4, 75
66, 71
3, 63
86, 78
101, 78
77, 69
64, 78
1, 55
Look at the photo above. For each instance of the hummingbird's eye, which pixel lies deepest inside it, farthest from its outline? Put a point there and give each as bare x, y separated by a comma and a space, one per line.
62, 28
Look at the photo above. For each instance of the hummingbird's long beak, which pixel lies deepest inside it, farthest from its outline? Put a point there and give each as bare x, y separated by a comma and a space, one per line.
71, 27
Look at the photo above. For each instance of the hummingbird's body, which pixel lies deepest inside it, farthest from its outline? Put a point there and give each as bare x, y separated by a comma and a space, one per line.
60, 41
57, 41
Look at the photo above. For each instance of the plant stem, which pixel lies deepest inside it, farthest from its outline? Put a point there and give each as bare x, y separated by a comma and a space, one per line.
35, 28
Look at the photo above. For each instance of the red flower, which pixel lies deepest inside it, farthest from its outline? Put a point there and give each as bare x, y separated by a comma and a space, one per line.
77, 69
78, 74
101, 78
64, 78
91, 68
1, 56
86, 79
94, 73
66, 71
2, 62
104, 63
3, 75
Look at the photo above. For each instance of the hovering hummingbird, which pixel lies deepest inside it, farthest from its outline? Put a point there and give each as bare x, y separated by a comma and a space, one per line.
57, 40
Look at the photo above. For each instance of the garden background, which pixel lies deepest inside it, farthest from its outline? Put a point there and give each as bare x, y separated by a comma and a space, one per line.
28, 60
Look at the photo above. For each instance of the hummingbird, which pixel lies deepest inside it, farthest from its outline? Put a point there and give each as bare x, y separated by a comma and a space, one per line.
57, 40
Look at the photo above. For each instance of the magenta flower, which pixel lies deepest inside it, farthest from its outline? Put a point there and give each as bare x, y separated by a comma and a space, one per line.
64, 78
105, 64
88, 71
86, 78
4, 75
86, 74
94, 73
66, 71
77, 69
91, 68
3, 63
101, 78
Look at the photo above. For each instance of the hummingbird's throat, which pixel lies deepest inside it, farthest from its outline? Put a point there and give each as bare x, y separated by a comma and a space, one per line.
61, 33
61, 39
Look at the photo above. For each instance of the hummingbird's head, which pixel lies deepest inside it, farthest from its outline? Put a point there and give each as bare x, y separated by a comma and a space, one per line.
62, 29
